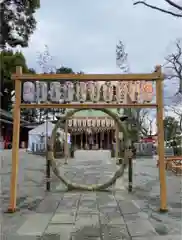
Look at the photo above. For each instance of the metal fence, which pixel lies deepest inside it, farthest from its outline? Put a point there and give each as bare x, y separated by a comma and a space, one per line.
144, 149
38, 148
148, 149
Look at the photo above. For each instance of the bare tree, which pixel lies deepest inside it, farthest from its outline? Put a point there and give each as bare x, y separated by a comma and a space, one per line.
173, 68
175, 9
44, 60
138, 115
122, 57
145, 121
177, 110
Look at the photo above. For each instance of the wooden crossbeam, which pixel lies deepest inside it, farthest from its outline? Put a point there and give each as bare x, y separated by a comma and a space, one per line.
89, 77
88, 106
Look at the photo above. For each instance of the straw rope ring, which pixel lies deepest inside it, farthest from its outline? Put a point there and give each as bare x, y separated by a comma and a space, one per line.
55, 168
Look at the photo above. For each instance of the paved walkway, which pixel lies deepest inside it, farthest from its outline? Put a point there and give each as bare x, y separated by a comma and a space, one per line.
111, 215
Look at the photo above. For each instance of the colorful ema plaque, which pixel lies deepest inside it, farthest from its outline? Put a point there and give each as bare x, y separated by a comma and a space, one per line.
88, 92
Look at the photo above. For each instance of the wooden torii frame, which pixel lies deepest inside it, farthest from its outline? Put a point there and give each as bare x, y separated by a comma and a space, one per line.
156, 76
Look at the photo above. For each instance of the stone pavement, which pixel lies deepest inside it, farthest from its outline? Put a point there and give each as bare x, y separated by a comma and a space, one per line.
108, 215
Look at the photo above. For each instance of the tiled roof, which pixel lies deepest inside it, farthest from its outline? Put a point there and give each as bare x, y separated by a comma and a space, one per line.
92, 113
4, 115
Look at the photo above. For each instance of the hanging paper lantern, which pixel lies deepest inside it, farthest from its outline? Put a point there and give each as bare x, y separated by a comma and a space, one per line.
134, 90
29, 92
108, 92
119, 92
122, 92
70, 122
74, 122
68, 90
65, 92
112, 123
146, 92
77, 85
98, 122
84, 122
55, 91
89, 122
103, 122
41, 91
108, 123
81, 91
94, 122
79, 122
94, 91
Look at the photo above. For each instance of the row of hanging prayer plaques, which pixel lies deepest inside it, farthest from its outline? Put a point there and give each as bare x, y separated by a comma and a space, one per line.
94, 92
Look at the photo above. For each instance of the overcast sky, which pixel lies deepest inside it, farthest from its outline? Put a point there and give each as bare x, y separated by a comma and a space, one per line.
83, 35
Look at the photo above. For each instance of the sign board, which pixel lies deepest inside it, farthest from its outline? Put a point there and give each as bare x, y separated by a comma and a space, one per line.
88, 92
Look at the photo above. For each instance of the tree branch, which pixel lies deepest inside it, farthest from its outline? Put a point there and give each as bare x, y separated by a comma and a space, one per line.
173, 4
178, 112
158, 8
174, 63
122, 57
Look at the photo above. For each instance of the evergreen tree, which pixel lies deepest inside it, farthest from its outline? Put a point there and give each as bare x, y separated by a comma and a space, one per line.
17, 22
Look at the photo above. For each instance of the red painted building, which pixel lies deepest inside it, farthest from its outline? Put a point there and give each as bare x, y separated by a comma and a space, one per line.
6, 130
151, 138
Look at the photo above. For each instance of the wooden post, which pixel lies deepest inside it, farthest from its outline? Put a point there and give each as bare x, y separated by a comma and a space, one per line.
101, 136
108, 139
128, 155
81, 140
75, 145
117, 141
86, 140
97, 140
160, 126
48, 161
66, 143
100, 139
130, 174
15, 145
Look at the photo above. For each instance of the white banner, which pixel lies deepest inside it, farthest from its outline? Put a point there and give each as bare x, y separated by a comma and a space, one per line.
89, 122
108, 122
70, 123
94, 123
98, 122
74, 123
103, 121
84, 122
112, 123
79, 122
